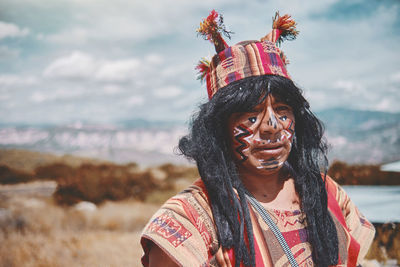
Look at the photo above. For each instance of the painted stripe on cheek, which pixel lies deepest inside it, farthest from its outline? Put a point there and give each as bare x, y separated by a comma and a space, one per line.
241, 134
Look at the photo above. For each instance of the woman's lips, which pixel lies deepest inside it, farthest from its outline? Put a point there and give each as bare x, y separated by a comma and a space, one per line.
268, 150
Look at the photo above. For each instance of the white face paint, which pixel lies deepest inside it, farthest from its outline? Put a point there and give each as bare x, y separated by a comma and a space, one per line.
242, 135
262, 139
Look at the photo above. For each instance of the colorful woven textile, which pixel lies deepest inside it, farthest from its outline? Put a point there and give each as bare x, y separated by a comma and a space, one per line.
184, 229
245, 59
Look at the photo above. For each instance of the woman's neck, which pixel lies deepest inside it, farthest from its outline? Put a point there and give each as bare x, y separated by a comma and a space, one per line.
273, 191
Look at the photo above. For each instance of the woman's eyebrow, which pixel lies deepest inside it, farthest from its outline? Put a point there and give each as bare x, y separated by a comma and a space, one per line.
258, 107
280, 104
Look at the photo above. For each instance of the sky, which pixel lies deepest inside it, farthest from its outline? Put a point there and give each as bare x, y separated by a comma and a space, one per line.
101, 61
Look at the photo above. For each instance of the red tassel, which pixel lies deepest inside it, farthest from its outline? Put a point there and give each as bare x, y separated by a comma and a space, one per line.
211, 29
285, 28
203, 68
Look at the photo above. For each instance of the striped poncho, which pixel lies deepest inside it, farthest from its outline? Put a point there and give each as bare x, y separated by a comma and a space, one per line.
184, 229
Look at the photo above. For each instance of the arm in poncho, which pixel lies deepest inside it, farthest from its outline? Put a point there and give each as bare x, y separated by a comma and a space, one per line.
358, 226
183, 229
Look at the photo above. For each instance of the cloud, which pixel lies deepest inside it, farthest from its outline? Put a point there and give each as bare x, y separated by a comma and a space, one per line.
75, 65
154, 59
167, 91
143, 20
112, 89
11, 30
123, 54
175, 70
348, 86
80, 65
59, 94
102, 21
135, 100
395, 77
8, 53
103, 79
4, 97
385, 104
118, 70
75, 36
39, 97
12, 80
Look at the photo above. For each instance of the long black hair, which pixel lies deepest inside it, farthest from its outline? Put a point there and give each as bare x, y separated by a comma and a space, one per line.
209, 144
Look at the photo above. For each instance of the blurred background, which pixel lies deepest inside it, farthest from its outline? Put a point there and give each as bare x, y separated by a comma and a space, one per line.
94, 96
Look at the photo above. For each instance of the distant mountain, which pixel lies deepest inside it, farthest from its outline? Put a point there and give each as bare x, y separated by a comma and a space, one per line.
135, 123
355, 137
357, 121
362, 136
142, 123
146, 145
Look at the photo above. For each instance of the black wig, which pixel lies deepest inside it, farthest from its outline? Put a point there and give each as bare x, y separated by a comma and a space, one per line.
209, 144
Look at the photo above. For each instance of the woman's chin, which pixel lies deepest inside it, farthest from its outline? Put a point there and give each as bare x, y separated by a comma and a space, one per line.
261, 166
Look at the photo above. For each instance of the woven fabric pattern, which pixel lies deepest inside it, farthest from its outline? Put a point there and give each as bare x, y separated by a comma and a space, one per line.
243, 60
185, 230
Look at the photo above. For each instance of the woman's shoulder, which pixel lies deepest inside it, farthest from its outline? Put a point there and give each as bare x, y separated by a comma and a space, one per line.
193, 197
189, 204
358, 228
183, 227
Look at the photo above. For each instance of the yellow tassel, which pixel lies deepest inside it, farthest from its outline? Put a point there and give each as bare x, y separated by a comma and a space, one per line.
285, 28
211, 29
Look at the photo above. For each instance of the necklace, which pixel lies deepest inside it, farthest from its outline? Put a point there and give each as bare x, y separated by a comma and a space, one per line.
267, 219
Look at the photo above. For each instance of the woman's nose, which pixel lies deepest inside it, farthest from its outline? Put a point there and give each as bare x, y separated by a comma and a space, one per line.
270, 127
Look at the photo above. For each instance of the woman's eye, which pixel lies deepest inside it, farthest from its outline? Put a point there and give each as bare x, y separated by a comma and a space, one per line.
283, 118
252, 119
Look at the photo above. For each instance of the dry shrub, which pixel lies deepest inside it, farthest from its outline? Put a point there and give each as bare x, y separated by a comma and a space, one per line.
171, 180
24, 160
54, 171
11, 176
64, 249
42, 216
99, 182
179, 171
122, 216
386, 244
32, 215
96, 183
346, 174
28, 161
36, 232
160, 196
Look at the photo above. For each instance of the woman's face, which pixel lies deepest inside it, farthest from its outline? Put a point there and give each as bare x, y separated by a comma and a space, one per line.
262, 138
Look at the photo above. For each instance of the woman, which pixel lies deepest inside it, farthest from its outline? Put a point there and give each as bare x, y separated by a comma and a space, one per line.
261, 200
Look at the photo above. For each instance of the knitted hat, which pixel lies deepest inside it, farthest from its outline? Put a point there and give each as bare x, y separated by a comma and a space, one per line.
245, 59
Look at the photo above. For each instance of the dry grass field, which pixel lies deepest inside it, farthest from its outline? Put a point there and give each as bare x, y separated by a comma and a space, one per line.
34, 231
46, 218
66, 211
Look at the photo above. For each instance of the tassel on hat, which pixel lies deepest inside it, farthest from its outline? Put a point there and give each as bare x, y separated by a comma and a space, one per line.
283, 28
204, 69
211, 29
247, 58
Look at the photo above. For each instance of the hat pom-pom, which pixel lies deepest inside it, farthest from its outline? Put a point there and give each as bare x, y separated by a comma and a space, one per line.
203, 68
285, 27
211, 29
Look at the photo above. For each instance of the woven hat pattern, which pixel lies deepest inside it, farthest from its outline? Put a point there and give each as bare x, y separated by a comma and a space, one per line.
248, 58
240, 61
